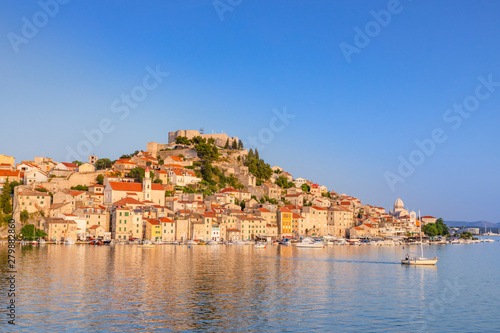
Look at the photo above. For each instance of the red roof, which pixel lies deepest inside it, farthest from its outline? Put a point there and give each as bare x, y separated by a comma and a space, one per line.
69, 165
177, 158
127, 201
166, 220
264, 210
133, 187
9, 173
75, 193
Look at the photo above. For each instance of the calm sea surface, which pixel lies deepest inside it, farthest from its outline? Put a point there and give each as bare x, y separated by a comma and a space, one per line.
243, 289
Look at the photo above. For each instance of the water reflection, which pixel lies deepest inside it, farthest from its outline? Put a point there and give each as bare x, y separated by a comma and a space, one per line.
235, 288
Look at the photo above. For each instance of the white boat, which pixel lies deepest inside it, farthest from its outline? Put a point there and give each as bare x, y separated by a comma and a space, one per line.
146, 245
69, 241
309, 242
419, 260
260, 246
41, 241
192, 242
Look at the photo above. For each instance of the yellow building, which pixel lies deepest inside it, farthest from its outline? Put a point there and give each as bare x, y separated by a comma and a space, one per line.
4, 159
285, 222
153, 230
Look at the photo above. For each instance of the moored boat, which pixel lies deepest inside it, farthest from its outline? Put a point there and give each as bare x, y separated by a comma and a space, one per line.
309, 242
69, 241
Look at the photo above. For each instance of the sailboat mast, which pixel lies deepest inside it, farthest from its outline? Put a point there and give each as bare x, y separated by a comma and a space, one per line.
421, 245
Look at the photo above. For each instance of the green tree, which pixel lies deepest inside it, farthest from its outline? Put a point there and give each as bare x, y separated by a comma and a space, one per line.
13, 185
77, 163
442, 227
250, 155
5, 203
242, 204
80, 188
305, 188
158, 181
240, 144
234, 145
256, 154
24, 216
137, 173
206, 152
282, 182
103, 163
182, 140
226, 146
430, 229
100, 179
29, 232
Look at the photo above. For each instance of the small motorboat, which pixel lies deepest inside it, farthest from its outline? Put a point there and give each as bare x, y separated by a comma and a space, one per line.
309, 242
260, 246
146, 245
69, 241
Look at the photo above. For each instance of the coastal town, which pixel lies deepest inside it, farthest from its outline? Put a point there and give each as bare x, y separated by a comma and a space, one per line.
203, 187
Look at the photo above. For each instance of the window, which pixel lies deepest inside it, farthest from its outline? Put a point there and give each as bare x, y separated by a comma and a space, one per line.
120, 213
41, 203
120, 229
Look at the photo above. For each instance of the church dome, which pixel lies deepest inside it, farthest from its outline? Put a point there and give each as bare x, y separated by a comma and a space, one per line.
398, 204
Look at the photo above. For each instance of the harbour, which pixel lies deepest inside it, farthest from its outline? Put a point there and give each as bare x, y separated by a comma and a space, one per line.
232, 288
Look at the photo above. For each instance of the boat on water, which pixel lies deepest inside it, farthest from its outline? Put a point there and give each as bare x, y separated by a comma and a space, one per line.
146, 245
69, 241
41, 241
260, 246
309, 242
419, 260
192, 242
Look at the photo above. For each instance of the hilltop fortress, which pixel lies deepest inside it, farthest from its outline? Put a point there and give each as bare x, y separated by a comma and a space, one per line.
220, 139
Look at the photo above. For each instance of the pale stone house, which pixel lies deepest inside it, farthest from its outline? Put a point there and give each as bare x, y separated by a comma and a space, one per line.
86, 167
340, 220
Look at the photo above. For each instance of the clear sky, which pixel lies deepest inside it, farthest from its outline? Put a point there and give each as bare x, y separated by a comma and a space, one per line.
361, 91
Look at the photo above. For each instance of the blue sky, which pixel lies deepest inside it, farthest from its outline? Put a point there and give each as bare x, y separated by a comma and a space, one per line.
353, 119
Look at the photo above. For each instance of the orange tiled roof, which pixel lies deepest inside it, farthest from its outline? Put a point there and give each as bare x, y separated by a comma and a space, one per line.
8, 173
127, 201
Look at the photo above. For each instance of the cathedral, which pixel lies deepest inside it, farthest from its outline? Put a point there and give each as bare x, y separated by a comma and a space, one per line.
399, 212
